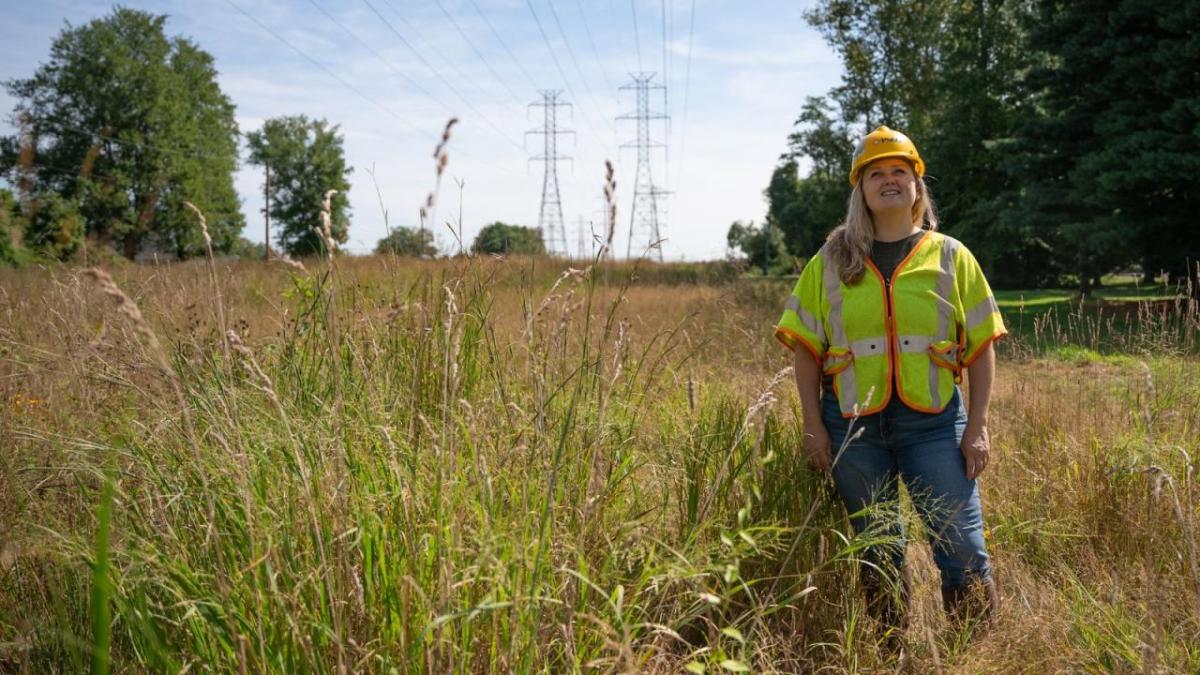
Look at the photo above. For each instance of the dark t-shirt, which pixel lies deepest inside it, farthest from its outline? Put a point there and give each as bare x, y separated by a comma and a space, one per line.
887, 254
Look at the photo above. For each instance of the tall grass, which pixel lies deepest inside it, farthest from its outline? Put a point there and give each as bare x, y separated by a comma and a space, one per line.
483, 465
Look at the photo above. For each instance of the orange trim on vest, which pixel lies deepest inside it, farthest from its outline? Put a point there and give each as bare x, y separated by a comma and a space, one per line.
983, 346
889, 327
781, 332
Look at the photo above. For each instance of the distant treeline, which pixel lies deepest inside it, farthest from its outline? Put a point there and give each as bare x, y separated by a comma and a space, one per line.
1062, 139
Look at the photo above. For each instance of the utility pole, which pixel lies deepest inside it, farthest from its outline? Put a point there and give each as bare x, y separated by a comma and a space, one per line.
267, 214
644, 222
550, 216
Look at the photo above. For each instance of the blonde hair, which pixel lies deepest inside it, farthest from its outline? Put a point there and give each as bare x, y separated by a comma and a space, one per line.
849, 244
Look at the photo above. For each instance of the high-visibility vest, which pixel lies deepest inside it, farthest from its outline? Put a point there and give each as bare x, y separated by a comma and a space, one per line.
933, 318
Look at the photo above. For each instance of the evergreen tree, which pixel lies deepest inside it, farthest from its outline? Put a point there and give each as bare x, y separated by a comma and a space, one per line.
977, 108
1142, 173
121, 126
306, 159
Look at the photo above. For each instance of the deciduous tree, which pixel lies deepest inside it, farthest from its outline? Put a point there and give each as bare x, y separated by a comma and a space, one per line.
306, 159
502, 238
122, 125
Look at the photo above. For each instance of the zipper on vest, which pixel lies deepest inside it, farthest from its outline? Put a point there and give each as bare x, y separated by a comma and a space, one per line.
893, 337
889, 329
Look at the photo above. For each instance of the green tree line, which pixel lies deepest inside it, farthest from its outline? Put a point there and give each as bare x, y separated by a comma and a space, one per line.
123, 125
1061, 138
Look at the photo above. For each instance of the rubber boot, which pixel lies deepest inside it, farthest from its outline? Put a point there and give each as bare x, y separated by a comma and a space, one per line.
887, 604
971, 604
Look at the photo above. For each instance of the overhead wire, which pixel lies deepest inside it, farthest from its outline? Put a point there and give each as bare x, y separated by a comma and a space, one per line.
396, 69
388, 111
470, 106
486, 61
637, 40
566, 80
431, 48
666, 80
326, 70
529, 78
571, 52
687, 83
596, 52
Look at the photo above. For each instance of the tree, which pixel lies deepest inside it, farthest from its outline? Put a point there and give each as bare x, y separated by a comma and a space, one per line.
407, 241
763, 246
1047, 146
806, 209
1141, 176
502, 238
10, 228
123, 125
306, 159
889, 51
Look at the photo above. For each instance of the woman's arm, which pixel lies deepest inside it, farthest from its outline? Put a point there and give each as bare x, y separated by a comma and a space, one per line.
976, 445
816, 441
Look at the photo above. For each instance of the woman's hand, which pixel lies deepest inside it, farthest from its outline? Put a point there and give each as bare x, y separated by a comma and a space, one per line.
976, 449
817, 446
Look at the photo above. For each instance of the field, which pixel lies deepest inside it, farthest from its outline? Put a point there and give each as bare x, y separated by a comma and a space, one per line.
494, 465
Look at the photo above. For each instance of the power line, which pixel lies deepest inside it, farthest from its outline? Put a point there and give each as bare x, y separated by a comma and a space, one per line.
500, 39
595, 52
416, 85
404, 121
559, 66
429, 47
637, 40
486, 61
666, 95
437, 74
329, 72
687, 85
571, 53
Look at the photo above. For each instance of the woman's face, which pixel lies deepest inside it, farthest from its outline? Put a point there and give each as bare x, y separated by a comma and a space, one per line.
889, 184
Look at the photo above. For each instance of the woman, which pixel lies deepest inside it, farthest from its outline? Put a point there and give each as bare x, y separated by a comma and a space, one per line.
887, 315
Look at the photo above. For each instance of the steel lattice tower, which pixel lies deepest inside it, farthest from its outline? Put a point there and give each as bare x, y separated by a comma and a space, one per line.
550, 217
644, 221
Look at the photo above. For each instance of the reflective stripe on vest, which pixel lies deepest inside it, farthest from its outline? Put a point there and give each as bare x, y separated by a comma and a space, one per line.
981, 311
807, 318
944, 290
847, 383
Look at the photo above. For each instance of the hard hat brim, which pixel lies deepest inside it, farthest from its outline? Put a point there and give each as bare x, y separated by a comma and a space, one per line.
918, 165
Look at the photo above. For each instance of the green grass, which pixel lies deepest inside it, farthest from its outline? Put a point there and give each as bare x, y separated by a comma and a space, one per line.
475, 466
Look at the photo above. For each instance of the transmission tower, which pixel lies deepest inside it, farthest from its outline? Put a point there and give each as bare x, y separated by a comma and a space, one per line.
644, 221
550, 217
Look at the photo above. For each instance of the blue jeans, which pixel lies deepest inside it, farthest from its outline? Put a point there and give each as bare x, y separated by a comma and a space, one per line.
922, 449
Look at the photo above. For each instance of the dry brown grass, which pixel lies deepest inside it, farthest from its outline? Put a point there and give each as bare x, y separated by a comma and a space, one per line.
1089, 500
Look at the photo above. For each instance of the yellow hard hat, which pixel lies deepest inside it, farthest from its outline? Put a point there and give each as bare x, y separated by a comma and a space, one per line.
884, 142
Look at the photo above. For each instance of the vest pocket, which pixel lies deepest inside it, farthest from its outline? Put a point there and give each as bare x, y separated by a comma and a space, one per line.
944, 353
836, 360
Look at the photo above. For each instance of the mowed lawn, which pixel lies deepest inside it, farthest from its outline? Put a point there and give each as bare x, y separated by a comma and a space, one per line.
529, 465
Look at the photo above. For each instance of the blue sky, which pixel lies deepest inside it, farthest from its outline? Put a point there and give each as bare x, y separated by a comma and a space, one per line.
393, 71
